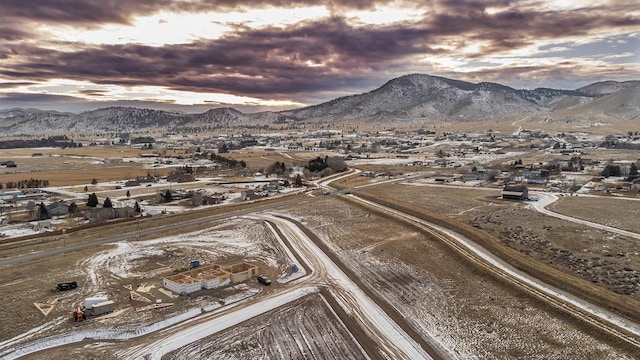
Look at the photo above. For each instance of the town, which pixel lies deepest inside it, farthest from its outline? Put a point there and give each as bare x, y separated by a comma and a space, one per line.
192, 225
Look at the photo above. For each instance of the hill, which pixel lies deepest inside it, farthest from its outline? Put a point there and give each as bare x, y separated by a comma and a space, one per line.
414, 98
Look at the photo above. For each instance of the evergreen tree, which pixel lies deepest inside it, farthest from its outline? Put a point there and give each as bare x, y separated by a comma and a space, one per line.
93, 200
94, 182
43, 213
298, 181
136, 208
128, 194
633, 172
167, 196
107, 203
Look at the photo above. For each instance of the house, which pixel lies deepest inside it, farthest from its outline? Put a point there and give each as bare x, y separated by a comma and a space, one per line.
247, 195
443, 179
125, 212
198, 199
474, 168
42, 225
11, 194
471, 176
296, 170
58, 208
515, 192
271, 187
96, 215
132, 183
146, 179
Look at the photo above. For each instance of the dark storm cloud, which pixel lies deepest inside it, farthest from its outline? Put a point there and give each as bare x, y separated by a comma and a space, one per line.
512, 28
11, 33
92, 13
265, 62
301, 61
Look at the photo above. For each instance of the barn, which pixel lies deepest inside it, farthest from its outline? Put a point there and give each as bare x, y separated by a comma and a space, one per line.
515, 192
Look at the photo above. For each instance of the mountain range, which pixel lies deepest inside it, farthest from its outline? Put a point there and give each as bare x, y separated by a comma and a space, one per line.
415, 98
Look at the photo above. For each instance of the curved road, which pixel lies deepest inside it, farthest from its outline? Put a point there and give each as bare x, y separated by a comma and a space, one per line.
546, 199
377, 324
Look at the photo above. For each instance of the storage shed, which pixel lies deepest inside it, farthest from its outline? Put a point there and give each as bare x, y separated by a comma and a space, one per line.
515, 192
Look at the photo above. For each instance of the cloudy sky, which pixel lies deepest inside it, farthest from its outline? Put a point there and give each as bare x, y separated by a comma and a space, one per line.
74, 55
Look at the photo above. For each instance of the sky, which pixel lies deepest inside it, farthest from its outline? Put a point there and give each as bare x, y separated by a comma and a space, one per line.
193, 55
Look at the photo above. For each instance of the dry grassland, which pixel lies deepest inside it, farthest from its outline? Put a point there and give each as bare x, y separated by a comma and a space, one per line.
444, 295
261, 160
63, 167
618, 213
599, 266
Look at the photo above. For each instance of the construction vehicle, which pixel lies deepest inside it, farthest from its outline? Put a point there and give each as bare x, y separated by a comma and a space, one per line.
78, 314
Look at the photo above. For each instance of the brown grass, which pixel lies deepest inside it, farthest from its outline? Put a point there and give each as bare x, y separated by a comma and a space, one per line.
621, 214
626, 305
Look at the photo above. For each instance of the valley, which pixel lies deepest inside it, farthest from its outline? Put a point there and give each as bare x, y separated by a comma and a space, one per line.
333, 231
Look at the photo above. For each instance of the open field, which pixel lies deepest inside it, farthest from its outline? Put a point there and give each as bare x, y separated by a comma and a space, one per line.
595, 261
442, 295
609, 211
63, 167
307, 326
465, 309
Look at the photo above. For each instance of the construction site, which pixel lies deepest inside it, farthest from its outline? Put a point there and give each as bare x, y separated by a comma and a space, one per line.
209, 277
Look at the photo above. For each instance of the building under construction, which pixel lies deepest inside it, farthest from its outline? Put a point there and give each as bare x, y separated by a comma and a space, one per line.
209, 277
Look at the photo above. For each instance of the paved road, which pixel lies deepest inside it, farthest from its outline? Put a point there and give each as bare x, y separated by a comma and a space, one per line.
155, 231
546, 199
387, 334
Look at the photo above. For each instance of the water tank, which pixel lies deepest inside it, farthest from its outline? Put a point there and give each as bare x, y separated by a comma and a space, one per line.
294, 267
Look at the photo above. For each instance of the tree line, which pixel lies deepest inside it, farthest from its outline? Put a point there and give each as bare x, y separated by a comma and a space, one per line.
25, 184
61, 141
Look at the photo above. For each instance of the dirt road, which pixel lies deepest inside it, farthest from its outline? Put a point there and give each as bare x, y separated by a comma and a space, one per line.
607, 321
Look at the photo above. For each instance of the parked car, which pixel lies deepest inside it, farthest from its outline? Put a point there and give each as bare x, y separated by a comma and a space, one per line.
264, 280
